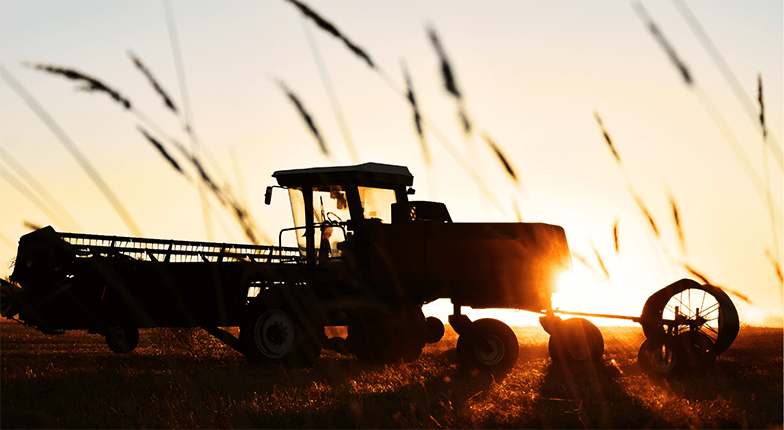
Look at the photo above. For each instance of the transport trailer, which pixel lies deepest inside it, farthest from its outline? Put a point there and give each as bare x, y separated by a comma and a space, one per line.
364, 257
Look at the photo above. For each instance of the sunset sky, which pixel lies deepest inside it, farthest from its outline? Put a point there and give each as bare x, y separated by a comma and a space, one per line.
532, 75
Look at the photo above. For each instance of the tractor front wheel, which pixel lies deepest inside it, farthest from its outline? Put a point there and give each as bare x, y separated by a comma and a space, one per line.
272, 334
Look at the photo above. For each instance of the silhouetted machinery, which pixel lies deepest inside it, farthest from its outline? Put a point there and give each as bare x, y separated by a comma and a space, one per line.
366, 258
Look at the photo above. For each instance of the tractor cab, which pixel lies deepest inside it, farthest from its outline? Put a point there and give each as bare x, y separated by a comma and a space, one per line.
331, 206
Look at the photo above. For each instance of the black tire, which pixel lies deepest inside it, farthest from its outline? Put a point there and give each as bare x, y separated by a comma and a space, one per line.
490, 346
8, 308
122, 339
699, 350
663, 358
385, 337
435, 330
702, 308
576, 341
274, 335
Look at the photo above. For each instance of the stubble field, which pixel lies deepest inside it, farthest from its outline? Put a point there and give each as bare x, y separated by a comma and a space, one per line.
186, 379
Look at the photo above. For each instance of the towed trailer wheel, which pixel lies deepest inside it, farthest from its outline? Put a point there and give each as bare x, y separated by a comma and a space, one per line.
694, 322
576, 341
272, 334
122, 339
488, 346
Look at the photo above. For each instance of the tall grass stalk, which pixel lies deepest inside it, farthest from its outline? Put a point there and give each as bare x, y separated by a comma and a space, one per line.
601, 262
450, 82
416, 115
615, 235
163, 152
85, 164
707, 104
676, 218
766, 172
90, 84
225, 198
333, 97
467, 167
158, 89
331, 29
729, 76
665, 45
70, 222
32, 197
307, 117
187, 117
501, 158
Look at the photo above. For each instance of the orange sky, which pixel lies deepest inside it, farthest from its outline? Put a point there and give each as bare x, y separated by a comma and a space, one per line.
531, 74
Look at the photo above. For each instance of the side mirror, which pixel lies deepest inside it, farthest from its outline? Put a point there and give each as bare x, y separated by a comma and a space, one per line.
268, 196
410, 191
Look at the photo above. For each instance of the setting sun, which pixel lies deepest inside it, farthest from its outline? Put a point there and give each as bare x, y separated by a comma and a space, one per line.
581, 291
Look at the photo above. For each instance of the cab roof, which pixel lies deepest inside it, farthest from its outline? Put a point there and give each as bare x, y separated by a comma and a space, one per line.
367, 174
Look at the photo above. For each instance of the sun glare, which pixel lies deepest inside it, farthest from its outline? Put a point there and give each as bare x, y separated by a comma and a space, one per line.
582, 291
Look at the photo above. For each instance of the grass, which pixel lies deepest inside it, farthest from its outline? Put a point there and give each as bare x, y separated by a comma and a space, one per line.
186, 379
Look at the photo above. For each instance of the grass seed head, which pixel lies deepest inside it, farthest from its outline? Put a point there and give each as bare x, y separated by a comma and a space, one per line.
446, 70
607, 137
156, 86
615, 235
501, 157
659, 36
306, 117
647, 215
90, 84
762, 107
162, 150
331, 29
417, 116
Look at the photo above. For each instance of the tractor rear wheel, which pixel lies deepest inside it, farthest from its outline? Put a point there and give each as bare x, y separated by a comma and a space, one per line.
434, 329
384, 336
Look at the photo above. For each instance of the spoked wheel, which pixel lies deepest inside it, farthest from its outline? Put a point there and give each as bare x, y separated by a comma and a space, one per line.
687, 306
272, 334
576, 341
122, 339
489, 347
663, 357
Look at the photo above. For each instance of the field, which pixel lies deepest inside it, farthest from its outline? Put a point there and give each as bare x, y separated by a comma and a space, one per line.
186, 379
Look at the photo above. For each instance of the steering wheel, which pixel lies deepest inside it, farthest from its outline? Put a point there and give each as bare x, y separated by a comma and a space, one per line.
334, 215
